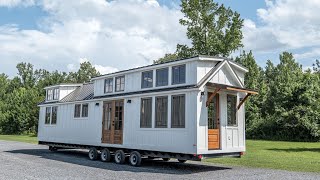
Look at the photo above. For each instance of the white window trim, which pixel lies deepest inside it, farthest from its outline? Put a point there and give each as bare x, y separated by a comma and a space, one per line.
50, 122
81, 107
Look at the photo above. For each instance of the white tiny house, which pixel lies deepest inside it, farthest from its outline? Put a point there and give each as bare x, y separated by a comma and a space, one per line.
187, 109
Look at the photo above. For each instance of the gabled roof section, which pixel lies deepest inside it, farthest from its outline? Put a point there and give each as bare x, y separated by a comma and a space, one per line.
215, 70
84, 92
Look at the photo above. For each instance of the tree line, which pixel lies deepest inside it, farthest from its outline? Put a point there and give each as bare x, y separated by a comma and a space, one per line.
20, 95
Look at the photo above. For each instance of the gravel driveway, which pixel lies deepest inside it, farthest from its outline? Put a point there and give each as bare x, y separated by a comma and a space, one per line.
28, 161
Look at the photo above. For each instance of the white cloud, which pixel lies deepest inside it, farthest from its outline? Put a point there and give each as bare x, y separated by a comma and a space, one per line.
284, 25
13, 3
114, 35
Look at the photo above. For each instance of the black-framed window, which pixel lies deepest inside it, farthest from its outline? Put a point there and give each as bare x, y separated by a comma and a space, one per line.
146, 113
162, 77
120, 83
178, 111
108, 85
85, 110
49, 94
147, 79
48, 115
161, 112
77, 110
56, 94
232, 110
54, 115
179, 74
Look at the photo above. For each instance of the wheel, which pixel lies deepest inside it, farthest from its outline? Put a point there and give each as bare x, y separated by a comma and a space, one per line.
105, 155
182, 161
93, 154
52, 148
135, 158
165, 159
119, 157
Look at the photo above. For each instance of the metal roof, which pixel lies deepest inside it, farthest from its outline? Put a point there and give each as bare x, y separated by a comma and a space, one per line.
84, 92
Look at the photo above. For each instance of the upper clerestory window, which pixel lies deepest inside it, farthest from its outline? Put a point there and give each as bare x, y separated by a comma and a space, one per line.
147, 79
179, 74
162, 77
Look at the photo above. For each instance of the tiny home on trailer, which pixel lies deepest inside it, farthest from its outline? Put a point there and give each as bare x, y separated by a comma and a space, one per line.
187, 109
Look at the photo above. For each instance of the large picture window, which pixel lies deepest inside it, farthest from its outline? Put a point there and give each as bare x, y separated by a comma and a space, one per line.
232, 110
108, 85
120, 83
179, 74
147, 79
146, 113
162, 77
178, 111
161, 112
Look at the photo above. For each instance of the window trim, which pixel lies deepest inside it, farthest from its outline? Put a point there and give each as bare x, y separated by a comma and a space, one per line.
236, 112
151, 114
124, 80
172, 74
54, 93
142, 79
50, 116
184, 115
105, 80
81, 111
157, 83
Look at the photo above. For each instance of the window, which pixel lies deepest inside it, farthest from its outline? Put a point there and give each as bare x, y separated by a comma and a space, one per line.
231, 110
85, 108
179, 74
49, 95
77, 110
120, 83
48, 115
178, 111
56, 94
54, 115
162, 77
108, 85
81, 110
161, 112
147, 79
51, 115
146, 113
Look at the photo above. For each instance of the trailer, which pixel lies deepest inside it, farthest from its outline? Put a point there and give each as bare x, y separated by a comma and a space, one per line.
188, 109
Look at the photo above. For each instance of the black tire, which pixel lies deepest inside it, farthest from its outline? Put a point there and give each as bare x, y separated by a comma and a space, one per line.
119, 157
182, 161
135, 158
166, 159
105, 155
93, 154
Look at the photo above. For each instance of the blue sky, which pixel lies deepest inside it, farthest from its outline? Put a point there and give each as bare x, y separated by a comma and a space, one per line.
116, 35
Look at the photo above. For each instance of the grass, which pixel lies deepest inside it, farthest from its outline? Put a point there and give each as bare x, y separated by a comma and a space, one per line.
292, 156
21, 138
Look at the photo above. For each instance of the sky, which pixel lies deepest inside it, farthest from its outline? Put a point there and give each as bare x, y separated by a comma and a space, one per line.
117, 35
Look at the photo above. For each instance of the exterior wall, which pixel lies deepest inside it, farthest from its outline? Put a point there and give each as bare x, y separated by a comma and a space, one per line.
89, 130
133, 79
203, 67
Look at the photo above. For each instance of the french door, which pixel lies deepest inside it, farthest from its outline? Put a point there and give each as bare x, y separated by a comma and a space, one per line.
214, 123
112, 122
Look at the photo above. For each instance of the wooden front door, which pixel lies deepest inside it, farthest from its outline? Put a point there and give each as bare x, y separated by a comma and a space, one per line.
112, 122
214, 123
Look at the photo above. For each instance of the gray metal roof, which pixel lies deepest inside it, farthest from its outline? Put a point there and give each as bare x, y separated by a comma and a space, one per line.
84, 92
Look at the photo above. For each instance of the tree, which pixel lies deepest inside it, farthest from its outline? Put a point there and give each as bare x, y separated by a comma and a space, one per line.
84, 74
212, 28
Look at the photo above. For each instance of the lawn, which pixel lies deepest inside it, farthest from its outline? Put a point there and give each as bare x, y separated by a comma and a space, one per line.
21, 138
292, 156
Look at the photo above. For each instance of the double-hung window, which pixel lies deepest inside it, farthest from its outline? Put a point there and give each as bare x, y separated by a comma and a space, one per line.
179, 74
81, 110
51, 115
231, 110
56, 94
120, 83
162, 77
178, 111
146, 113
49, 94
108, 85
147, 79
161, 112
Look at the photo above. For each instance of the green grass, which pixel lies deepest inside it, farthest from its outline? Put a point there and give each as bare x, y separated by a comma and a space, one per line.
292, 156
21, 138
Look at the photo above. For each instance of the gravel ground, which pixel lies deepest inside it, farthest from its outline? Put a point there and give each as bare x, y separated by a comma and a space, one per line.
28, 161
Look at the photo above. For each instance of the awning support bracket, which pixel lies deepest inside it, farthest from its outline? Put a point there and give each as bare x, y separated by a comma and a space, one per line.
212, 96
243, 100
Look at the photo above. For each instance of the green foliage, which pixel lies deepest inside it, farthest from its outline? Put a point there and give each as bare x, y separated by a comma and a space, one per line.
212, 28
19, 96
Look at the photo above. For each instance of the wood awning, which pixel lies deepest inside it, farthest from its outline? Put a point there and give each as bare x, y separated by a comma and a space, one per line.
219, 87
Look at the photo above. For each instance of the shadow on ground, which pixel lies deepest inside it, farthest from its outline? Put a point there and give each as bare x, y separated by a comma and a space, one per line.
296, 149
151, 166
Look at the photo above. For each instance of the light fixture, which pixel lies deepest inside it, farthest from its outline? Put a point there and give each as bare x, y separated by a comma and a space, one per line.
97, 104
129, 101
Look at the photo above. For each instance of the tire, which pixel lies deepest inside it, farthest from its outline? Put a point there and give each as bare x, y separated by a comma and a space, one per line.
182, 161
93, 154
135, 158
119, 157
105, 155
166, 159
